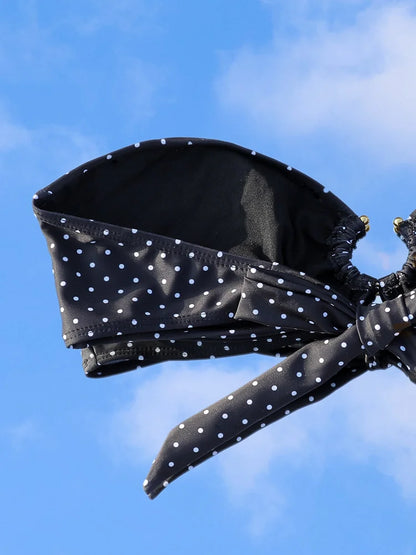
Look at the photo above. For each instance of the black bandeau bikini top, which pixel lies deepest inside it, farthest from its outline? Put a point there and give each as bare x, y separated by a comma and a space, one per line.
182, 248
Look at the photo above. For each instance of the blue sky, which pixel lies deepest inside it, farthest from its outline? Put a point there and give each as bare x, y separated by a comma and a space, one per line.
327, 87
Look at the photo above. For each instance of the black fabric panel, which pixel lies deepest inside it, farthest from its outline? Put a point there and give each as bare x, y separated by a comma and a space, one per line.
211, 194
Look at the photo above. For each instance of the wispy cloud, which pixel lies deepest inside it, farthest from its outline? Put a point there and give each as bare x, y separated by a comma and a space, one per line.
372, 259
48, 150
12, 135
177, 392
139, 88
355, 81
22, 433
126, 15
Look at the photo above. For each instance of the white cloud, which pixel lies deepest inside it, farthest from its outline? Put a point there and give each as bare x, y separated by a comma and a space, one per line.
356, 82
22, 433
12, 135
381, 425
126, 15
176, 393
48, 150
370, 258
139, 87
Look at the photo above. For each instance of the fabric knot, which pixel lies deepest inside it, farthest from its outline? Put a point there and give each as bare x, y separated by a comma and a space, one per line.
377, 325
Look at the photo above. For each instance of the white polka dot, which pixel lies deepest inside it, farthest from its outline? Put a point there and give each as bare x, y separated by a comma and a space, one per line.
318, 380
249, 401
343, 345
225, 416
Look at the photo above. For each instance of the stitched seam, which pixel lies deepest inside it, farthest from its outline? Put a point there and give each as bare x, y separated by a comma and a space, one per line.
158, 242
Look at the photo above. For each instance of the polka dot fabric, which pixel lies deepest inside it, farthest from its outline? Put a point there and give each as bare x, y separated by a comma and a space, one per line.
306, 376
179, 249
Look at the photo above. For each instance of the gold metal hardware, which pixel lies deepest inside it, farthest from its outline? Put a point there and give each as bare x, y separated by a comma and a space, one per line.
396, 224
366, 222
